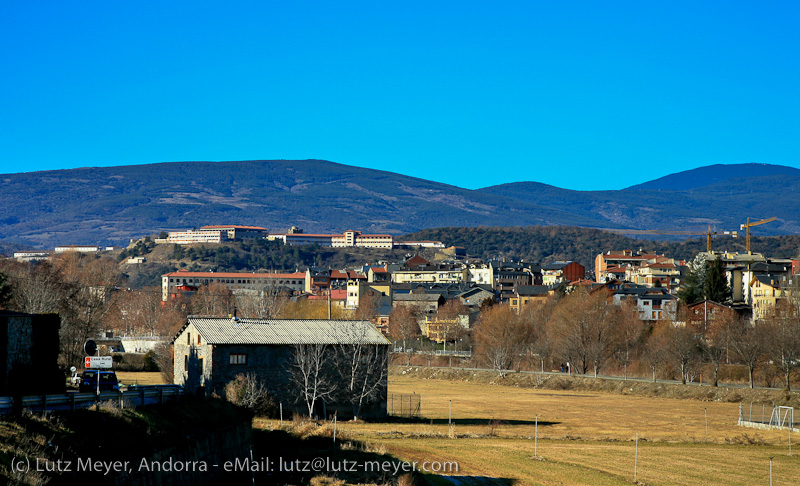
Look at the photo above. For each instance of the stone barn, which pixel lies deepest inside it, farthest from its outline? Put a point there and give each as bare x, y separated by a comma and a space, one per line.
310, 366
29, 347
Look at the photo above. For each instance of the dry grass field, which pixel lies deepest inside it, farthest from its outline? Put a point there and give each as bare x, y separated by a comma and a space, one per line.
585, 438
140, 378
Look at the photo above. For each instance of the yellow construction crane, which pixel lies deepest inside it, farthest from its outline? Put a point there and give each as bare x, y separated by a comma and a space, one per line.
749, 225
708, 234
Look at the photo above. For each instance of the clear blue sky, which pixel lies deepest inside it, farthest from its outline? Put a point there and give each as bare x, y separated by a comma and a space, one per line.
583, 95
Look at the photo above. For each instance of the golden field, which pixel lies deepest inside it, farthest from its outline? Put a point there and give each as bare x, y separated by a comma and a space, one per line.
585, 437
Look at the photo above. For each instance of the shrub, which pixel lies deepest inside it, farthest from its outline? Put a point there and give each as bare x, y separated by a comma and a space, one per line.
150, 363
247, 391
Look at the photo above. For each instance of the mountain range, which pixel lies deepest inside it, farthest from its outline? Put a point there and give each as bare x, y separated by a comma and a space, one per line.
110, 205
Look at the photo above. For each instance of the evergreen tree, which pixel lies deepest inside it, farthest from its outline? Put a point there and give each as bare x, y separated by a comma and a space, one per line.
716, 285
694, 284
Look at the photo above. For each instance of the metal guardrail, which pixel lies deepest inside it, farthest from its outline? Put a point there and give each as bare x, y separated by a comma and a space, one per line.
132, 397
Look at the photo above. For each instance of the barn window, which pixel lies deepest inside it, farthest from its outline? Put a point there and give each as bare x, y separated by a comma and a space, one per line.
198, 339
237, 359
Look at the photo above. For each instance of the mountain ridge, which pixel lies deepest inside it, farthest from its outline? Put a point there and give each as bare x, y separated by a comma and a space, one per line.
110, 205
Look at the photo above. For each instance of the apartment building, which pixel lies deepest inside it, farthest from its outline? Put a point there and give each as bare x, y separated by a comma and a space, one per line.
349, 238
182, 282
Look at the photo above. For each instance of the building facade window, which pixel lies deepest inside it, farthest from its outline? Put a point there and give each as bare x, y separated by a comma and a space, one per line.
237, 359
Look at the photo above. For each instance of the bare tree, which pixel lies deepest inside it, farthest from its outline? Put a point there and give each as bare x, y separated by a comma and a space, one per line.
582, 327
312, 374
682, 347
214, 299
627, 334
362, 368
655, 350
714, 343
141, 312
748, 343
500, 337
782, 332
265, 303
93, 283
37, 288
403, 326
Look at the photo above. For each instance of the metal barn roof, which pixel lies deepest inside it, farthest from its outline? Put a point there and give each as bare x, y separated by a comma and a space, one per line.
220, 330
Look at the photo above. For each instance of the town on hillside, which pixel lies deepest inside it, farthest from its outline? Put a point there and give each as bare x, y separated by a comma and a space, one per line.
319, 342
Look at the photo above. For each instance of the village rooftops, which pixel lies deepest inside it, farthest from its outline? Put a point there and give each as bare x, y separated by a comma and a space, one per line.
222, 330
534, 289
555, 265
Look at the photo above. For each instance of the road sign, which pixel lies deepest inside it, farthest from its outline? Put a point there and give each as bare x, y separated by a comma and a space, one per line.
97, 362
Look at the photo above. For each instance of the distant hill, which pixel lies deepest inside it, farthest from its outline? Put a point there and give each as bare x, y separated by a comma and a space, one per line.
728, 196
712, 174
110, 205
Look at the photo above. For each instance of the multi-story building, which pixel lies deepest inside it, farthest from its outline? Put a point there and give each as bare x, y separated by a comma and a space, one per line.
766, 292
617, 259
527, 294
510, 275
653, 304
557, 272
216, 234
32, 256
77, 248
238, 232
666, 274
349, 238
175, 283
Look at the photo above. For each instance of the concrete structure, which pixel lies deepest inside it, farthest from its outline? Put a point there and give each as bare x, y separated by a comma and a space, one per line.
29, 347
216, 234
238, 232
77, 248
32, 256
419, 244
175, 283
192, 237
349, 238
210, 352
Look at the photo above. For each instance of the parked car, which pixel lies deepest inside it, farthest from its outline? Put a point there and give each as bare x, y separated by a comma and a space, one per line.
108, 381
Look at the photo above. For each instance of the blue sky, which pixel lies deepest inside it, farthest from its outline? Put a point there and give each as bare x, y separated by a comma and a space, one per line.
583, 95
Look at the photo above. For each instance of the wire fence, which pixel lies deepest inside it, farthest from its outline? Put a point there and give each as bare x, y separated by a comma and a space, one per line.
766, 416
405, 405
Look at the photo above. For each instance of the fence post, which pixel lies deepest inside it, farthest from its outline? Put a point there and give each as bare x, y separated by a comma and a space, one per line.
636, 458
44, 406
71, 402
